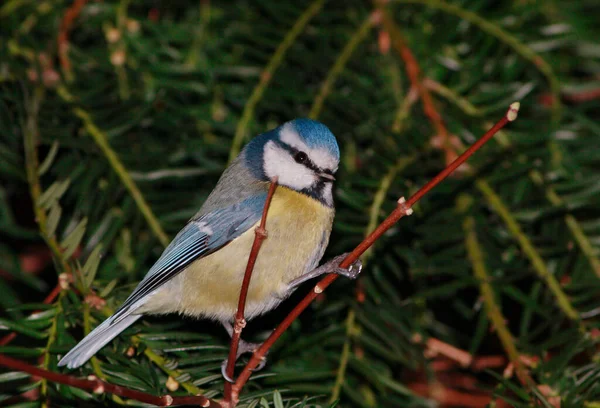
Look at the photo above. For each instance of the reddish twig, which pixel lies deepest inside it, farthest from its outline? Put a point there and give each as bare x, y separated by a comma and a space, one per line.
49, 299
447, 397
582, 96
435, 347
63, 34
100, 387
573, 97
240, 322
414, 75
403, 208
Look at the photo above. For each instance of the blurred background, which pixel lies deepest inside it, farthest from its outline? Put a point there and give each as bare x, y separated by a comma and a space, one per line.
118, 117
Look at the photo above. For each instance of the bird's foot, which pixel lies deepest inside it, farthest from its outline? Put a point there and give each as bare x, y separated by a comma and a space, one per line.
243, 348
351, 273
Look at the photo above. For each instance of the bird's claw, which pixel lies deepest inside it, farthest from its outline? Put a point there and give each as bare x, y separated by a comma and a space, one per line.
352, 272
224, 371
261, 365
244, 347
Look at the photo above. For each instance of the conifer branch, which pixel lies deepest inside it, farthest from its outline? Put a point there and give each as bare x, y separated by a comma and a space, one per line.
102, 142
404, 208
6, 340
32, 165
494, 313
413, 70
574, 226
30, 139
529, 250
572, 223
496, 31
161, 363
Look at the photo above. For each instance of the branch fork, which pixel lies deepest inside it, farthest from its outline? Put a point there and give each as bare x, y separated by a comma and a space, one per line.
404, 208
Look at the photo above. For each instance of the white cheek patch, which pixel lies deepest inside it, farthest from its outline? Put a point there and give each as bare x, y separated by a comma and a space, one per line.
278, 163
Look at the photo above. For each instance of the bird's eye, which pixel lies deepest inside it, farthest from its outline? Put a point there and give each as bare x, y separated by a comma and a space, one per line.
300, 157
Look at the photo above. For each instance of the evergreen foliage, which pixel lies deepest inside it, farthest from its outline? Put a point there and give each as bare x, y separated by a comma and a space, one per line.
112, 143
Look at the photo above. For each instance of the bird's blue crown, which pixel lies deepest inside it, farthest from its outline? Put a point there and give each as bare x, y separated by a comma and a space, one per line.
315, 134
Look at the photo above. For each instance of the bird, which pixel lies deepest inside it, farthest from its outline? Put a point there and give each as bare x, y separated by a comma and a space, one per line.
200, 272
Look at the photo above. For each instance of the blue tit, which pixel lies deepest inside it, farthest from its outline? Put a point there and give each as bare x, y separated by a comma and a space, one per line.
200, 273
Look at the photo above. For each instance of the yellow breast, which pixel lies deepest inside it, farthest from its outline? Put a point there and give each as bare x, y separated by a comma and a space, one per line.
298, 232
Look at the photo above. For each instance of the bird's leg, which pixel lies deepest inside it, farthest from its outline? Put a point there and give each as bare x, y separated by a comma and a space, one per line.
332, 266
243, 347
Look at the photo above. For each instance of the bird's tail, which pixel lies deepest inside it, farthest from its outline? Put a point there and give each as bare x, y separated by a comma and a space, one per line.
97, 339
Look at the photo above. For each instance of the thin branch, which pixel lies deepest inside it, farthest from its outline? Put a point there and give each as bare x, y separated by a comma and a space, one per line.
403, 208
267, 74
435, 347
414, 74
260, 234
63, 36
100, 387
102, 142
581, 96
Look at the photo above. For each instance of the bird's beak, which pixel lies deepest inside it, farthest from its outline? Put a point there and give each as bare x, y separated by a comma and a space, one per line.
326, 177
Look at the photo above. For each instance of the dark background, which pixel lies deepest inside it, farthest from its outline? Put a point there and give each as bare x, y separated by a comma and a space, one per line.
176, 88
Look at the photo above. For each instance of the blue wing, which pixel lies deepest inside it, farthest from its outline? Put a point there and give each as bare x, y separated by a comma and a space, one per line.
200, 237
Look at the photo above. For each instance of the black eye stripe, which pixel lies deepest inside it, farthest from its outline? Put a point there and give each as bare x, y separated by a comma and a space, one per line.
307, 163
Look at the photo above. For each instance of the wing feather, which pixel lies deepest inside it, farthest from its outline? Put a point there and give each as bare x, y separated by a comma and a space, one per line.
199, 238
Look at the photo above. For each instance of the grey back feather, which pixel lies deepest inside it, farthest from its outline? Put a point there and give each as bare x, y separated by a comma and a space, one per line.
236, 184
